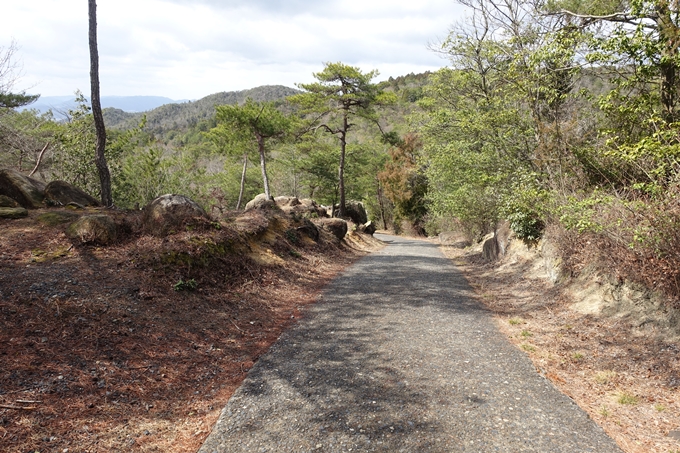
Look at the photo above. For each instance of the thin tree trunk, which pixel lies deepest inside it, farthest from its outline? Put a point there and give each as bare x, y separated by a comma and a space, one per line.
263, 166
381, 203
100, 158
341, 170
243, 181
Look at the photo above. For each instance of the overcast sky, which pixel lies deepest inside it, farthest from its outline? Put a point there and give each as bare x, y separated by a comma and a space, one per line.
187, 49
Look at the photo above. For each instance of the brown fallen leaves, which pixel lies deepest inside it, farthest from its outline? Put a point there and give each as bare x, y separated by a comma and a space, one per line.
116, 360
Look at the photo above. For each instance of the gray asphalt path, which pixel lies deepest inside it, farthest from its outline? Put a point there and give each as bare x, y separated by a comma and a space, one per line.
396, 357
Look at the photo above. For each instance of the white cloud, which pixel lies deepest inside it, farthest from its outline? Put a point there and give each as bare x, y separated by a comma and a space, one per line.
191, 48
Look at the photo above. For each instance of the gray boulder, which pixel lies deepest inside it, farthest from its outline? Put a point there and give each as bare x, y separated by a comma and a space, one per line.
7, 202
28, 192
62, 193
367, 228
304, 208
260, 202
170, 212
12, 213
337, 227
354, 210
93, 229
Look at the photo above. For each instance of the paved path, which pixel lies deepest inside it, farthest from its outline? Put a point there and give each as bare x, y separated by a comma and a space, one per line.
397, 358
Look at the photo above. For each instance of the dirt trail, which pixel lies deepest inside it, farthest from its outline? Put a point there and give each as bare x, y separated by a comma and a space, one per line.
398, 357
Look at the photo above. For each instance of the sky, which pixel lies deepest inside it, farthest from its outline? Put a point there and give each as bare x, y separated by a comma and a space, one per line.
188, 49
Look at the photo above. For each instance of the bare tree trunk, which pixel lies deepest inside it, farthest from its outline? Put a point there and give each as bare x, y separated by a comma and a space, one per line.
40, 157
100, 158
243, 181
341, 170
263, 166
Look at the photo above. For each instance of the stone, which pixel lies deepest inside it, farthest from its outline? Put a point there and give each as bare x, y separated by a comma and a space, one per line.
260, 202
12, 213
93, 229
169, 213
337, 227
28, 192
355, 211
61, 193
304, 208
7, 202
286, 201
309, 229
368, 228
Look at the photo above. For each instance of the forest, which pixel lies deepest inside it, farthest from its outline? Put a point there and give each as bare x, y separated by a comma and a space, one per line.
559, 117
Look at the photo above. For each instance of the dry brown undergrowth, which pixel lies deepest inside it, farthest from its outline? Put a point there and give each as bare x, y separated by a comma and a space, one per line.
627, 382
98, 353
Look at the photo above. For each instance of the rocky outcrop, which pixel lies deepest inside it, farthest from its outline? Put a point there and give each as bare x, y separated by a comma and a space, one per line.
93, 229
260, 202
12, 213
61, 193
337, 227
28, 192
169, 213
305, 208
355, 211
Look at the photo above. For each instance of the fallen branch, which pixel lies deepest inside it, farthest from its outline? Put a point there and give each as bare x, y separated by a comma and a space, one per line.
28, 402
18, 408
40, 156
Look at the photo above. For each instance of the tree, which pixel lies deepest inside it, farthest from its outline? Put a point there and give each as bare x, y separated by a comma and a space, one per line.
9, 73
253, 123
100, 148
340, 94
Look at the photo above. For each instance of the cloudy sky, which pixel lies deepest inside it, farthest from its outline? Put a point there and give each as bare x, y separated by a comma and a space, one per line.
187, 49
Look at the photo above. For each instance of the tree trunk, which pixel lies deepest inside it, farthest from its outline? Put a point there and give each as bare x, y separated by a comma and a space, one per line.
100, 158
263, 166
243, 181
670, 35
381, 203
341, 170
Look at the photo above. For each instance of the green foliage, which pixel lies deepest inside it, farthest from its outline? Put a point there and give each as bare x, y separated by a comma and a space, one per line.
185, 285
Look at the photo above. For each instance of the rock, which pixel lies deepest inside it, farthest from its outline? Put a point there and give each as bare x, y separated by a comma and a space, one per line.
337, 227
490, 249
62, 193
286, 201
368, 228
260, 202
28, 192
309, 229
12, 213
354, 210
170, 212
305, 208
7, 202
93, 229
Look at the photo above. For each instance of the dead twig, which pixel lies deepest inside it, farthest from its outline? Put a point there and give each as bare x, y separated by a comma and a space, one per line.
28, 402
17, 408
40, 156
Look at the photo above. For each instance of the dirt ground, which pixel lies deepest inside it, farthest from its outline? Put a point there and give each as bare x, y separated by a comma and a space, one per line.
627, 382
137, 346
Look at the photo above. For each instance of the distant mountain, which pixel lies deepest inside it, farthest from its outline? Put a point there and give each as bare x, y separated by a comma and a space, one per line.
125, 103
179, 116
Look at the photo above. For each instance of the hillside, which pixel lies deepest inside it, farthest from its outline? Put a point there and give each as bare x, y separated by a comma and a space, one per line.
179, 117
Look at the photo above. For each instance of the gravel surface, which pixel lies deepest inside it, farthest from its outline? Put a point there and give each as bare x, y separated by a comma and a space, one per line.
397, 357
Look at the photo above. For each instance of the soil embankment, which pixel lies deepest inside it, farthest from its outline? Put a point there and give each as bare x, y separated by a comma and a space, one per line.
610, 346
